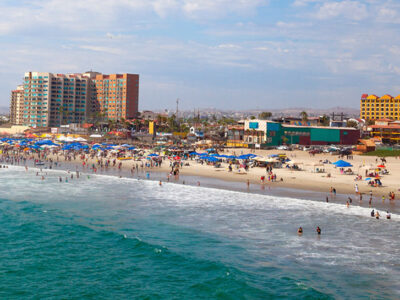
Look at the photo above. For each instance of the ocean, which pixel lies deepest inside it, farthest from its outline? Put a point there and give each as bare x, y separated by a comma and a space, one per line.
104, 237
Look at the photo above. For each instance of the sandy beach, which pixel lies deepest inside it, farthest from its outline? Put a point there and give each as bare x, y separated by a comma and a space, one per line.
304, 179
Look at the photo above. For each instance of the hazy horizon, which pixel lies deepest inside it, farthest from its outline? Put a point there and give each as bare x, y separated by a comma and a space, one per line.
243, 54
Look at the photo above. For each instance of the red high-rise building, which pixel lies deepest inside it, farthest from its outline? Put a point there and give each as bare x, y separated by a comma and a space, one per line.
118, 95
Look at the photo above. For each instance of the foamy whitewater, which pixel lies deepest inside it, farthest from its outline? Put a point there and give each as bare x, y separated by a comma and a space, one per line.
104, 237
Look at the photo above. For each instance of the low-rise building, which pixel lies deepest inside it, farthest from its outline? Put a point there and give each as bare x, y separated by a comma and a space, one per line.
386, 130
269, 133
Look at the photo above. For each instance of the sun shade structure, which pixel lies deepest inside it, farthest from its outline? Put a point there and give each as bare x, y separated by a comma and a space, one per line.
342, 164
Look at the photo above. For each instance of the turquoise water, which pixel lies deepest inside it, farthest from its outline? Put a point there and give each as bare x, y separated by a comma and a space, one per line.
112, 238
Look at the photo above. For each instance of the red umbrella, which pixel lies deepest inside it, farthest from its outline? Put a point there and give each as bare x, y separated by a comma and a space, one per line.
177, 157
381, 166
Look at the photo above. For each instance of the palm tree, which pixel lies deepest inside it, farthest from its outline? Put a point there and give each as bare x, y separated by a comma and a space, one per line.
304, 116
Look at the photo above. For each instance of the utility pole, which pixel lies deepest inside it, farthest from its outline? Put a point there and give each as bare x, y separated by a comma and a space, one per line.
177, 111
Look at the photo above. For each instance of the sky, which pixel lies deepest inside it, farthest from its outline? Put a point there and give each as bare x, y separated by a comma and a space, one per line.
224, 54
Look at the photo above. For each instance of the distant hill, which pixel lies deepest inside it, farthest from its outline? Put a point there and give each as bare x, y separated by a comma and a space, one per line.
295, 111
4, 110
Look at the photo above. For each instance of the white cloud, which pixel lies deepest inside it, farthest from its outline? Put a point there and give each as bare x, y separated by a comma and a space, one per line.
353, 10
304, 2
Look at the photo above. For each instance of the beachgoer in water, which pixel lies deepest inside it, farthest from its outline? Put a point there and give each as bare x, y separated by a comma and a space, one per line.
248, 183
388, 216
318, 230
377, 215
347, 204
300, 231
383, 199
350, 200
160, 183
373, 213
327, 199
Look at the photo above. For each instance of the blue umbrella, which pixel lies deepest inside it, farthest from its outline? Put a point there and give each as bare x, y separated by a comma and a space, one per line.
342, 164
368, 179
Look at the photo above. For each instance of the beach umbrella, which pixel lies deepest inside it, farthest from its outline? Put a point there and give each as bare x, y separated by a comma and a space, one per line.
342, 164
368, 179
381, 166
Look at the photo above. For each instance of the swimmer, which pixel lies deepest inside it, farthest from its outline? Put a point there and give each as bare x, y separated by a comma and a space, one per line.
300, 231
350, 200
377, 215
318, 230
383, 199
160, 183
388, 216
373, 213
347, 204
327, 199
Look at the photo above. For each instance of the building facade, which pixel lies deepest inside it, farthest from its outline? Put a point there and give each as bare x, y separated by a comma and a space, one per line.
118, 95
269, 133
386, 131
17, 106
52, 100
373, 107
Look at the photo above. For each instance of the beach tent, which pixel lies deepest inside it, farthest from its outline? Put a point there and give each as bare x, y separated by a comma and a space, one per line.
342, 164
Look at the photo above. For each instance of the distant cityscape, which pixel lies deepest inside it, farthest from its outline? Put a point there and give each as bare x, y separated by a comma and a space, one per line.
94, 102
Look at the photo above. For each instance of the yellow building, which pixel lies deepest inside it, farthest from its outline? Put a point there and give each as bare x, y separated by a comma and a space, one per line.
373, 107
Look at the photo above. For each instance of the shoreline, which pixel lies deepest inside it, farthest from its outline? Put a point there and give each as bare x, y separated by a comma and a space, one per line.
229, 184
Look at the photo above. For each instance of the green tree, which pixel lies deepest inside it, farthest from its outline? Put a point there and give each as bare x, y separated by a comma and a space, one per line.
265, 115
252, 117
352, 123
325, 120
304, 116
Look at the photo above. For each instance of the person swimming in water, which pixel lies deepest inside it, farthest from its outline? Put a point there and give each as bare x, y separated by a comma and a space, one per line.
300, 231
318, 230
373, 213
377, 215
388, 216
347, 204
